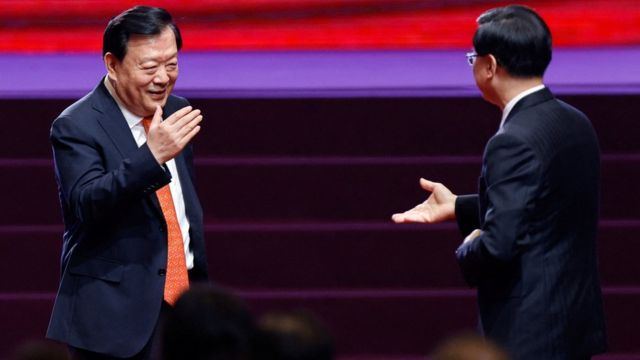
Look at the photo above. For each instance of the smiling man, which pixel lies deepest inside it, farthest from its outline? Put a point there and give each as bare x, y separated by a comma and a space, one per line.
133, 238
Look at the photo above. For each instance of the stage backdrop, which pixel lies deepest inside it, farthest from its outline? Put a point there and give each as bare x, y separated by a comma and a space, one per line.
76, 26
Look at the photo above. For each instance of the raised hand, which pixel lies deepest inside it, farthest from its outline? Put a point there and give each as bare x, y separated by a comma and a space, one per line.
439, 206
167, 138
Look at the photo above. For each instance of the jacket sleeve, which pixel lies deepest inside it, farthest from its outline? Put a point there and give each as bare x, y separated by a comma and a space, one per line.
512, 175
90, 191
467, 213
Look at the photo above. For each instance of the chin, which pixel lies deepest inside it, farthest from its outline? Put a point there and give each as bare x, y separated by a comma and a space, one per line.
154, 103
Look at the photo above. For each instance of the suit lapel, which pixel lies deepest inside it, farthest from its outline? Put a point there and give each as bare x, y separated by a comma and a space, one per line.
113, 122
117, 129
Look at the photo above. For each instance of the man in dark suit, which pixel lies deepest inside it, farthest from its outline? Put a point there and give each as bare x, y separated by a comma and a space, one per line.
530, 245
133, 224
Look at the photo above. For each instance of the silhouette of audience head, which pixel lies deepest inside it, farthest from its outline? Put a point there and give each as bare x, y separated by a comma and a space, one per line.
40, 350
208, 323
294, 335
469, 347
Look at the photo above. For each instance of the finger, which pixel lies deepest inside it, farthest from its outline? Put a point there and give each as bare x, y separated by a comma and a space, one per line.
413, 217
157, 116
402, 218
185, 130
178, 115
427, 185
186, 119
185, 140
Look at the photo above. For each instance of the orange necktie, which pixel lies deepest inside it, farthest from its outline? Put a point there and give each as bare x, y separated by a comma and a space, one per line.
177, 279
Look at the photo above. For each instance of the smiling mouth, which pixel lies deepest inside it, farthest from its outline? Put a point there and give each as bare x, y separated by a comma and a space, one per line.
157, 94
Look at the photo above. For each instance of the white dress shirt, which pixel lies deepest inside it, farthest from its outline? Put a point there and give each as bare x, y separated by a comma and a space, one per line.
139, 135
514, 101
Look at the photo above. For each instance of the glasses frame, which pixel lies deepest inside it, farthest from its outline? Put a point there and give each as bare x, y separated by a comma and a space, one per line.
471, 57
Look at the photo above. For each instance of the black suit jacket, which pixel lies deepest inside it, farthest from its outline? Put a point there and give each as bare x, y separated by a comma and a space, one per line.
115, 241
535, 264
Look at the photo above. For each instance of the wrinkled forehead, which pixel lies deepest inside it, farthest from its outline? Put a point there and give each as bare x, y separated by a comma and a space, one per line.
159, 47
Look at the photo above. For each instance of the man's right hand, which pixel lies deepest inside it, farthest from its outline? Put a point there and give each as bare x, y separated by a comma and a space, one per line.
439, 206
167, 138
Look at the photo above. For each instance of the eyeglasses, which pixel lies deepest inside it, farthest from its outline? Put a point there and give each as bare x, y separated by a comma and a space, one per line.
471, 57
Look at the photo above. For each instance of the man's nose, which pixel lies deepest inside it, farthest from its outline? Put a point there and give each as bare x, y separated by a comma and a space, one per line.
161, 76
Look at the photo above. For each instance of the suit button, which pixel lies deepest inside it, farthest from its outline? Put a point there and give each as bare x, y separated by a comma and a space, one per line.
162, 272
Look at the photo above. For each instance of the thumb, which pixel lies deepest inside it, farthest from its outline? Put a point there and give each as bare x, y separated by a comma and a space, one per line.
157, 116
427, 185
398, 218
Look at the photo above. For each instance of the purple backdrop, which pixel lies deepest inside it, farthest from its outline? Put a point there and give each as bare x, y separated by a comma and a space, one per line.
321, 74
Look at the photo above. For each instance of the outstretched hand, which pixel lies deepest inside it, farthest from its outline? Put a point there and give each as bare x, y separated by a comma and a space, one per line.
439, 206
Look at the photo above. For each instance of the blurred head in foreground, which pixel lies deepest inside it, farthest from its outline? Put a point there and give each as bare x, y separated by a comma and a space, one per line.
208, 324
469, 347
294, 335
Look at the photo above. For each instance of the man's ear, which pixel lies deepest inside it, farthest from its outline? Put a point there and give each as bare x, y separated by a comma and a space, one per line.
491, 66
111, 62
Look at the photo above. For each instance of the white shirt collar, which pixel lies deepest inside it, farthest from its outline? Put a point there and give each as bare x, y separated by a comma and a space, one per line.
131, 118
514, 101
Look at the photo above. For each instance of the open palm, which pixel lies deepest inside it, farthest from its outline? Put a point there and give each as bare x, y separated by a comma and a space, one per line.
439, 206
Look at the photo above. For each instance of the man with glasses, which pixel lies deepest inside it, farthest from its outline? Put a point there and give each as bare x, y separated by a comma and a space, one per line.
471, 57
530, 232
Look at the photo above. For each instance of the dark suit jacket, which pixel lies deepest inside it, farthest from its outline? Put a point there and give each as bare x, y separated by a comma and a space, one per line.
115, 241
535, 264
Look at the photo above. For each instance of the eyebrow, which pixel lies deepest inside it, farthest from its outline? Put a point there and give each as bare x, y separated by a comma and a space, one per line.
154, 59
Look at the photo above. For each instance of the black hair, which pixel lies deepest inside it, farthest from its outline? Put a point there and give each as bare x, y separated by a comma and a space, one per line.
294, 335
139, 20
208, 323
517, 37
